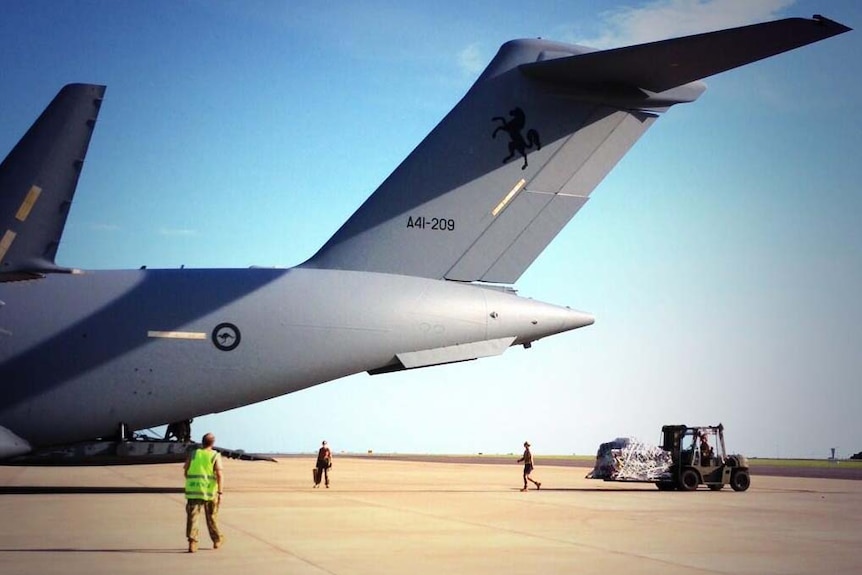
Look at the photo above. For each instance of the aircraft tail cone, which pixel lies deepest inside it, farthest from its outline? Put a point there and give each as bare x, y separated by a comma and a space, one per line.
578, 319
538, 320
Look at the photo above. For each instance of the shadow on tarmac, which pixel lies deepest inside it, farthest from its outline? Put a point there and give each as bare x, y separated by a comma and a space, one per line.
70, 550
596, 490
67, 490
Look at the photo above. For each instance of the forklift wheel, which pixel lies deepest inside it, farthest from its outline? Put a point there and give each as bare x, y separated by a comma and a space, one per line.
740, 480
689, 480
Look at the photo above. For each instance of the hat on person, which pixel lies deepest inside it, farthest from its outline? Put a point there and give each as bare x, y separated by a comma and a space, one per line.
526, 444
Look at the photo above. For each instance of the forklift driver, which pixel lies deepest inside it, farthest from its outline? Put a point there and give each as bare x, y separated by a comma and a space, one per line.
705, 450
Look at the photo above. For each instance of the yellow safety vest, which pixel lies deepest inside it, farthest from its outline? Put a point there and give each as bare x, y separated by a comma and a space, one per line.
201, 481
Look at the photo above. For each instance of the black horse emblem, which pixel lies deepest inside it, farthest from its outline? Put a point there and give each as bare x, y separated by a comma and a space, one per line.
518, 143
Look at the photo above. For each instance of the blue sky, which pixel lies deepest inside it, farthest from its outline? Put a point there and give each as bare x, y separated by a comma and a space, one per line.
722, 257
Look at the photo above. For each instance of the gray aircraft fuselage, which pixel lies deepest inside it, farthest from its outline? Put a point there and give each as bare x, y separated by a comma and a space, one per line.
144, 347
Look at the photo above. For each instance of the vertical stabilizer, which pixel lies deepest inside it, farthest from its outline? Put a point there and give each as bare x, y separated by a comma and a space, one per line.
496, 180
486, 191
38, 180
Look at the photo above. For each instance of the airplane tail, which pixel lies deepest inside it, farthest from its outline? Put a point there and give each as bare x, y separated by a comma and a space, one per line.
495, 181
38, 180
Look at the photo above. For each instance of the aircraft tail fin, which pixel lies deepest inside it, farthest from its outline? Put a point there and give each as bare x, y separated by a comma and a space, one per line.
38, 180
486, 191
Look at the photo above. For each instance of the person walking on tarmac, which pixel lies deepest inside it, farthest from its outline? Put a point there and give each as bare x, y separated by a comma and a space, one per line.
528, 467
204, 489
324, 463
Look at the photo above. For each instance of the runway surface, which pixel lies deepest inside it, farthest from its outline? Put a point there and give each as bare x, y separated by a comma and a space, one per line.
385, 516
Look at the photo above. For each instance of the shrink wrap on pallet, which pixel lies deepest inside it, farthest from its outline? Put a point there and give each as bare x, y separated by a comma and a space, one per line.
628, 459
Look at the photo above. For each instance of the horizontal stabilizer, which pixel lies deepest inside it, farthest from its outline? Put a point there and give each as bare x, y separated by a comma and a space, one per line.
38, 180
660, 66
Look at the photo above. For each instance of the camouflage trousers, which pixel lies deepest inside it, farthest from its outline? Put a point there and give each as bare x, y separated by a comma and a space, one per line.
193, 513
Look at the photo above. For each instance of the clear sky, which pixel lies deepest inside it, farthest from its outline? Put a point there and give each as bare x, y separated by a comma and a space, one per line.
722, 258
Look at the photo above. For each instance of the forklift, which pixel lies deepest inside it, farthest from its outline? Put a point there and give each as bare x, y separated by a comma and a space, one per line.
699, 458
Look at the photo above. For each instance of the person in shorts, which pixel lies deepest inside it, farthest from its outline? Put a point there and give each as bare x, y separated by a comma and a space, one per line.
528, 467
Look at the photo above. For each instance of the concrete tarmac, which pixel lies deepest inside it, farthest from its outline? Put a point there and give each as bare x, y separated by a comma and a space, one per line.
407, 517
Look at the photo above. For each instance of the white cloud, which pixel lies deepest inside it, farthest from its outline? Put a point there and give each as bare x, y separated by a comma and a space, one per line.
661, 19
470, 60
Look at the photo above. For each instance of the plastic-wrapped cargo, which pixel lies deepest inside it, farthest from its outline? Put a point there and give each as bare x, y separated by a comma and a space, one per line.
628, 459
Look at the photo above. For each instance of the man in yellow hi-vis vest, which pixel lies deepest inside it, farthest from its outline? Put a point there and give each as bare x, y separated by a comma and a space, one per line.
204, 486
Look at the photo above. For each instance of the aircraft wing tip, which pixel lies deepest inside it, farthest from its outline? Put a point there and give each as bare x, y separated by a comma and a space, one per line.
841, 28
